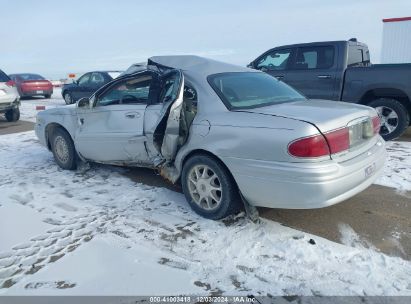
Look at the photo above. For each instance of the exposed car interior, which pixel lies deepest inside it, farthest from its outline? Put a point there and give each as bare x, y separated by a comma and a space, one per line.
188, 113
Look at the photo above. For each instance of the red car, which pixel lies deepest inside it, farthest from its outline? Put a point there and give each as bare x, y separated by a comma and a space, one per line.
32, 85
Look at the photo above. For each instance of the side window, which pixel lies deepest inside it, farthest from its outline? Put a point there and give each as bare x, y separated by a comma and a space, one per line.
319, 57
97, 79
275, 60
130, 91
84, 79
357, 56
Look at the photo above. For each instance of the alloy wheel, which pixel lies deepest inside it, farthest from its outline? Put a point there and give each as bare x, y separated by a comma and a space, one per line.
205, 187
388, 118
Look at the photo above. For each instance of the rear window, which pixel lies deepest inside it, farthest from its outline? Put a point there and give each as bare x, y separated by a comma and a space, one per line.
247, 90
29, 76
3, 77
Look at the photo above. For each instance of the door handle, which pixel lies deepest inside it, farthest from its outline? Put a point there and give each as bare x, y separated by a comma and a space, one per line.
279, 77
324, 76
132, 115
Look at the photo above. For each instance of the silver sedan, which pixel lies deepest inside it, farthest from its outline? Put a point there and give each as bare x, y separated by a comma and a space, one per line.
229, 134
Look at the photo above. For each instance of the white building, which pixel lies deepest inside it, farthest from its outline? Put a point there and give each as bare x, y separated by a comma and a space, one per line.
396, 40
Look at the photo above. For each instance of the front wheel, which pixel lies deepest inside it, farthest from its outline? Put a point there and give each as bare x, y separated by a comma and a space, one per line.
393, 115
13, 115
63, 149
209, 188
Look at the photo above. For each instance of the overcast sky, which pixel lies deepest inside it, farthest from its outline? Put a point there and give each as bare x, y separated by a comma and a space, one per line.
57, 37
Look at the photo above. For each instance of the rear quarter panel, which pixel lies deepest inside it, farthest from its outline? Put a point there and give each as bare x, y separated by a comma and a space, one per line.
246, 136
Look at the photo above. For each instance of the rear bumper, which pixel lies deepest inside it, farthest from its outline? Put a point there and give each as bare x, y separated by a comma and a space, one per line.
35, 92
303, 185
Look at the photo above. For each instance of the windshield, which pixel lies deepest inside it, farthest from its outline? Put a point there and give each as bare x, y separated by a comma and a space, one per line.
251, 90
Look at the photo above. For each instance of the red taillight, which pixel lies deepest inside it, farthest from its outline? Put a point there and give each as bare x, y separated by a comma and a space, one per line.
319, 145
314, 146
338, 140
376, 124
10, 83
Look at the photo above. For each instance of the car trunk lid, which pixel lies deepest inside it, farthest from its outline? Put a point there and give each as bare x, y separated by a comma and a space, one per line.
36, 84
329, 116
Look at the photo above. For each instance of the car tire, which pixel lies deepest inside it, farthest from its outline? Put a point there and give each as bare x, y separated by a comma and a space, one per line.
212, 194
47, 96
13, 115
68, 98
63, 149
393, 115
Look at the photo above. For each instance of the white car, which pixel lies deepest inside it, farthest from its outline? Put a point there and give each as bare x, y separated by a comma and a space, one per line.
9, 98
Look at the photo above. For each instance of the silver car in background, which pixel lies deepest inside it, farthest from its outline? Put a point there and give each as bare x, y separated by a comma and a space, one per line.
9, 98
224, 132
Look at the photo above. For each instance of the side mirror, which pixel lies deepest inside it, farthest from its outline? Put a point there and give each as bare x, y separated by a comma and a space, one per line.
250, 65
83, 103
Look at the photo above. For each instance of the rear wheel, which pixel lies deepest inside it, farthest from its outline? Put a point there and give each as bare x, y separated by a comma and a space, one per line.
47, 96
63, 149
68, 98
13, 115
209, 188
393, 115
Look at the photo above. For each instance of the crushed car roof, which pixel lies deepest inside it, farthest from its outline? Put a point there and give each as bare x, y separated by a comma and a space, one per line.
196, 64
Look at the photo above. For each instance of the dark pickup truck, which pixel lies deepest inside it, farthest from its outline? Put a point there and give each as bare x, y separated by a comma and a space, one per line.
341, 70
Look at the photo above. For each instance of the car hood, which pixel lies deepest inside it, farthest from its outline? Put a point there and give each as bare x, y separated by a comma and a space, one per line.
69, 85
326, 115
64, 110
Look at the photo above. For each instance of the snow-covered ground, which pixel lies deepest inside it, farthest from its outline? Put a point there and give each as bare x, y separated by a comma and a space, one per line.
397, 172
94, 231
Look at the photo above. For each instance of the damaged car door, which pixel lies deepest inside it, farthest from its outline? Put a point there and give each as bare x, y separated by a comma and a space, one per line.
166, 130
112, 129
